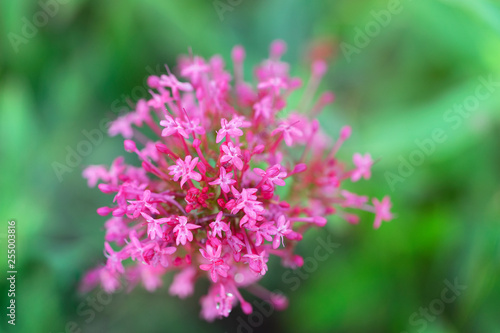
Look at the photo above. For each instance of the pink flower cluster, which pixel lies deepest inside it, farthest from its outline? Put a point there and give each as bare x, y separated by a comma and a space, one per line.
228, 177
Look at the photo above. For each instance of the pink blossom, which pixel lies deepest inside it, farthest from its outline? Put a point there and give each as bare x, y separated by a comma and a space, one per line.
114, 262
115, 171
263, 231
218, 225
183, 284
195, 69
282, 229
154, 226
150, 151
138, 206
150, 276
172, 126
363, 165
263, 108
224, 301
193, 127
219, 130
172, 82
165, 254
90, 280
218, 303
274, 84
247, 202
272, 176
224, 180
122, 125
229, 128
257, 262
109, 279
382, 211
116, 230
217, 267
136, 248
94, 173
353, 200
235, 243
185, 169
289, 131
158, 253
183, 230
158, 101
232, 154
209, 310
142, 113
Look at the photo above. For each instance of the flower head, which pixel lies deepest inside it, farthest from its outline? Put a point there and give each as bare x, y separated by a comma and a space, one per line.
204, 201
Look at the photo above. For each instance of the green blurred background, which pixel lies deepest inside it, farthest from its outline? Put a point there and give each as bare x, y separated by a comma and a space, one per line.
82, 65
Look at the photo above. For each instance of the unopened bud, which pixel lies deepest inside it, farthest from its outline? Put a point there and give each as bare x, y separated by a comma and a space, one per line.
238, 54
103, 211
345, 132
129, 146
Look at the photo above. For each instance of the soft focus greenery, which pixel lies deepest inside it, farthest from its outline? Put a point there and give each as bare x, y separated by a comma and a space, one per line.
91, 56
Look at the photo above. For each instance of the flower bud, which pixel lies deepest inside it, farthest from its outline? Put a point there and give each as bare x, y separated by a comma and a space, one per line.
278, 48
345, 132
129, 146
154, 81
320, 221
105, 188
319, 68
301, 167
238, 54
103, 211
246, 307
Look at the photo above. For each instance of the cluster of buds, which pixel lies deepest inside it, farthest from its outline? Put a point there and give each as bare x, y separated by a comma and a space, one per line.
228, 177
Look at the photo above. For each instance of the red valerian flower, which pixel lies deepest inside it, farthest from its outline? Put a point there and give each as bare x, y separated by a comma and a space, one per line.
183, 230
203, 202
224, 180
382, 211
217, 265
218, 226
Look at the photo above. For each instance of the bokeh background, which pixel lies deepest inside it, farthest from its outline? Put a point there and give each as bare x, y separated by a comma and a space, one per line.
90, 57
